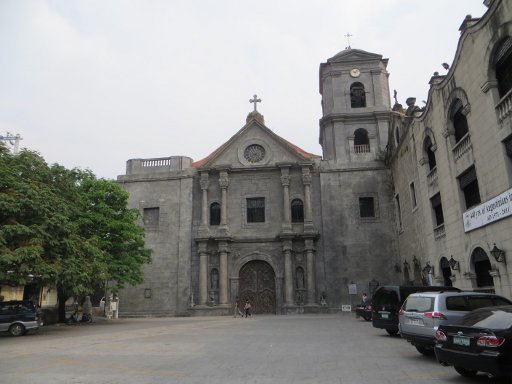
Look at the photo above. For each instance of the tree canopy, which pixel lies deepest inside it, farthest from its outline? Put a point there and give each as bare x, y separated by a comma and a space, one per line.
65, 228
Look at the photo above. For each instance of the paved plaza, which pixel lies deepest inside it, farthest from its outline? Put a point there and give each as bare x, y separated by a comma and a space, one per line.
333, 348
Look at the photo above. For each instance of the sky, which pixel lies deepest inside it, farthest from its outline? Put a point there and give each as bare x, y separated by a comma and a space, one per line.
94, 83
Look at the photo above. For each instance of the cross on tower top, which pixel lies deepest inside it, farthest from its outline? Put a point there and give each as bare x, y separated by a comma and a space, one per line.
255, 100
348, 36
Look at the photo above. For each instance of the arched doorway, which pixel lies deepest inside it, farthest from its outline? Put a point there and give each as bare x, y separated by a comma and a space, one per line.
482, 266
257, 283
446, 272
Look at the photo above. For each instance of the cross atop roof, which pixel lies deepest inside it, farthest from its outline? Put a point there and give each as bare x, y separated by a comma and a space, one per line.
348, 36
255, 100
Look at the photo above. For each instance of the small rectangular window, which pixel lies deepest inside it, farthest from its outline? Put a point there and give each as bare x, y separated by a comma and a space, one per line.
256, 210
508, 145
151, 217
366, 207
469, 185
437, 207
413, 195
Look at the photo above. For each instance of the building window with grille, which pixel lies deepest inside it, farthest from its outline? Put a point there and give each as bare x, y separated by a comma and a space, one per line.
459, 121
297, 207
431, 157
357, 96
256, 210
151, 217
414, 202
469, 185
437, 208
508, 146
214, 214
503, 66
366, 207
361, 141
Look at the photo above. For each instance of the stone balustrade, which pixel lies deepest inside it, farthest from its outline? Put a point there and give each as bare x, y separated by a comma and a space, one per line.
462, 147
162, 164
432, 177
364, 148
439, 232
504, 107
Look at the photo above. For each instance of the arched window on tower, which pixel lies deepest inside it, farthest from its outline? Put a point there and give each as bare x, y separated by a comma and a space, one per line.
361, 141
459, 121
297, 208
357, 95
427, 145
503, 66
214, 214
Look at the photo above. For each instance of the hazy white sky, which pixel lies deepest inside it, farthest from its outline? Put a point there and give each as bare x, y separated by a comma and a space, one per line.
94, 83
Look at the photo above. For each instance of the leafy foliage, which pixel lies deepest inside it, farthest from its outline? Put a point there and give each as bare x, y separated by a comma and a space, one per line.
65, 228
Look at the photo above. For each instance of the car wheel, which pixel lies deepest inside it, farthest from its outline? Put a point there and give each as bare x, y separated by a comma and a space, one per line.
17, 329
391, 332
425, 351
465, 372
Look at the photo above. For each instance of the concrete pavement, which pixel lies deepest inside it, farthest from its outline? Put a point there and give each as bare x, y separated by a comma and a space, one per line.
295, 349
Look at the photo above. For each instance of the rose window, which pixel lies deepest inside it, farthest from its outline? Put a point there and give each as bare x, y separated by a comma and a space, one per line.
254, 153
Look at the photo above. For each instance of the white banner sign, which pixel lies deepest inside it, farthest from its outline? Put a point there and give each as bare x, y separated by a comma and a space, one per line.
488, 212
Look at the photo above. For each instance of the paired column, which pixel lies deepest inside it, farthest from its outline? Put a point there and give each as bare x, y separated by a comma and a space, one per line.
310, 261
203, 182
224, 184
288, 275
308, 212
285, 182
203, 273
223, 283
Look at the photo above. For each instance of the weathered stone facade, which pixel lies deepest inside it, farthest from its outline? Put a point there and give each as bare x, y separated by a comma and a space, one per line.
293, 232
454, 155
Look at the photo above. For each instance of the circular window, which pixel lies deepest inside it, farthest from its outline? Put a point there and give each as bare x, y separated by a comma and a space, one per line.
254, 153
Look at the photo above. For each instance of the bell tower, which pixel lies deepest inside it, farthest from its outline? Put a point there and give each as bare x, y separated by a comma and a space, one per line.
355, 107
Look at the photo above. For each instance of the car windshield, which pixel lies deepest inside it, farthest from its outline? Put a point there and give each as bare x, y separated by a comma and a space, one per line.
419, 304
489, 318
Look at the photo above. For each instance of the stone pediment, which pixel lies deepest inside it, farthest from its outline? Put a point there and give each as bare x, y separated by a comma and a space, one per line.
349, 55
255, 145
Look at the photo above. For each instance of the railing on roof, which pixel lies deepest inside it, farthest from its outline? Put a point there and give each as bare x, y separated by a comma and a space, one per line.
162, 164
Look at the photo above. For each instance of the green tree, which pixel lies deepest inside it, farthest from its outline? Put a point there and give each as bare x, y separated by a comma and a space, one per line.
65, 228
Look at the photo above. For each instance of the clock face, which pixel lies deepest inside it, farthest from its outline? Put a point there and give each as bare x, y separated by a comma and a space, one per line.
355, 72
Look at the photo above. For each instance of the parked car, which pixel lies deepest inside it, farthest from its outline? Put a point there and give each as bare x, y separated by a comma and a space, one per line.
364, 310
18, 317
387, 300
422, 313
480, 341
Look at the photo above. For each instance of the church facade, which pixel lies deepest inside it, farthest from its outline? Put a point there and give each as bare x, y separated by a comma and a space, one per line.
260, 219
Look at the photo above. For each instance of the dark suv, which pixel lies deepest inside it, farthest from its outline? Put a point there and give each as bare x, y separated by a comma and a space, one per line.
387, 300
18, 317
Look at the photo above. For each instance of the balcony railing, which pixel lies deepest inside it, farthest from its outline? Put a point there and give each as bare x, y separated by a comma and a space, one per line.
364, 148
462, 147
161, 162
504, 107
432, 177
439, 232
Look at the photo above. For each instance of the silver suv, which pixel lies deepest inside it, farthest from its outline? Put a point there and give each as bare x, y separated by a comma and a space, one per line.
422, 313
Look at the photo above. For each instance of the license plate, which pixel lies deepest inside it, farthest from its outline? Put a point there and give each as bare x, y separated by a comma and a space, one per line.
461, 340
414, 321
384, 315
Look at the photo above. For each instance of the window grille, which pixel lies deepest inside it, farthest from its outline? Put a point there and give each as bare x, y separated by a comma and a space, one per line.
256, 210
297, 211
366, 207
215, 214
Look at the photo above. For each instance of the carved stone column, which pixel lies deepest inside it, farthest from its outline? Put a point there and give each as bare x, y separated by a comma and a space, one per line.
223, 279
310, 262
288, 276
285, 182
203, 182
203, 273
308, 212
224, 184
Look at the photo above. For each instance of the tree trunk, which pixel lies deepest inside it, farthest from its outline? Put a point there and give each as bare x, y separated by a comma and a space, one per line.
61, 300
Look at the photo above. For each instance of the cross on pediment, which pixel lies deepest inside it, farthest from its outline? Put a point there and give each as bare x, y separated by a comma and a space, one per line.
348, 36
255, 100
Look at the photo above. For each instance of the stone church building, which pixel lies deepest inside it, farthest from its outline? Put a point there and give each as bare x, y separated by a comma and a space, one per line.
263, 220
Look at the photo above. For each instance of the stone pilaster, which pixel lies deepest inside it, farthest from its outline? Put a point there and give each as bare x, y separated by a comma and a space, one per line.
308, 212
224, 184
203, 182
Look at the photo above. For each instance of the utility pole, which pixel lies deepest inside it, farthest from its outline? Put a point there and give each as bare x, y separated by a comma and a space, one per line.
14, 140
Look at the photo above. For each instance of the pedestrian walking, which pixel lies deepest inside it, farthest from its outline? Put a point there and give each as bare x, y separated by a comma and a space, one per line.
247, 308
